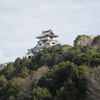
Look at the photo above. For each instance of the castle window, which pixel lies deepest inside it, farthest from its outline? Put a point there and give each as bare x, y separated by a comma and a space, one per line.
29, 56
53, 42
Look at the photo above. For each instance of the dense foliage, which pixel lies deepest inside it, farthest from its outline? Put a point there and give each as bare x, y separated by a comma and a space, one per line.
60, 72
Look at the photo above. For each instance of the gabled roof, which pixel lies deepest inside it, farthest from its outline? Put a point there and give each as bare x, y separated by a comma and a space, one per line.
47, 33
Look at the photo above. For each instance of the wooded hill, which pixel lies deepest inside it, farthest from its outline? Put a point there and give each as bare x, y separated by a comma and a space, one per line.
61, 72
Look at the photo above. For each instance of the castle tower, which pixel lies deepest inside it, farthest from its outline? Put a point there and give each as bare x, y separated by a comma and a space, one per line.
46, 39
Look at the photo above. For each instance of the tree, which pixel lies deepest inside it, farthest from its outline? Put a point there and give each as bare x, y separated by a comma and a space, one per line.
98, 49
25, 87
2, 66
36, 75
96, 42
41, 94
65, 48
93, 85
18, 61
47, 56
3, 84
3, 80
90, 58
71, 53
86, 48
14, 86
74, 87
9, 70
11, 98
24, 72
82, 40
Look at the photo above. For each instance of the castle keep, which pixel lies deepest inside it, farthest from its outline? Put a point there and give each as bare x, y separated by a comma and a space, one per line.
46, 39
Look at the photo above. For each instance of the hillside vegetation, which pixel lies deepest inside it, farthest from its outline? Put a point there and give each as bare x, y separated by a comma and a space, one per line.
60, 72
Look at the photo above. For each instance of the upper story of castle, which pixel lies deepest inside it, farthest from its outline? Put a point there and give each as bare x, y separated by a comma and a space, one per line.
47, 35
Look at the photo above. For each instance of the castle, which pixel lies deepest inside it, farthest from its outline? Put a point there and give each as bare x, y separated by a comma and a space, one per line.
46, 39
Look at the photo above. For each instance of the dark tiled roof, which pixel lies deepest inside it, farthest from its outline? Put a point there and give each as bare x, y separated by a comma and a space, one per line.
47, 33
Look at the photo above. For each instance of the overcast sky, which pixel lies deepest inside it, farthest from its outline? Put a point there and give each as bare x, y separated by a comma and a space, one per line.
22, 20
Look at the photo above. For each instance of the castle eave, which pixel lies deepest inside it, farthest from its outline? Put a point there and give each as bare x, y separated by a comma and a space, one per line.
47, 35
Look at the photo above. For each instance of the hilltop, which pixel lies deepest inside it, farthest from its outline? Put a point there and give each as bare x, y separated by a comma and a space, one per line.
60, 72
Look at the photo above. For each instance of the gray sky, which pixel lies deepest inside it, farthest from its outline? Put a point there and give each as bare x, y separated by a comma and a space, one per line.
22, 20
